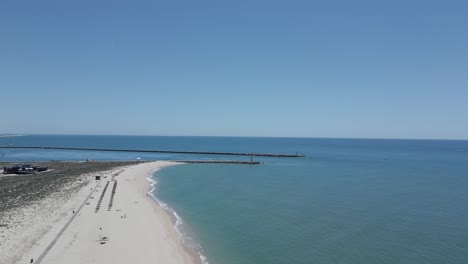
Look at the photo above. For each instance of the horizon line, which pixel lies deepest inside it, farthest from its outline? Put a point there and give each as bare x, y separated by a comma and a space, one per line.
298, 137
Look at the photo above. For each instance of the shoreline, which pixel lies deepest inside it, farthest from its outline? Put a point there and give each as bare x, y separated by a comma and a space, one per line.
172, 216
118, 223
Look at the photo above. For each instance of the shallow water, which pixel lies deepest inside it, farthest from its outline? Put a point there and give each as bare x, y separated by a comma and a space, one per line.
355, 202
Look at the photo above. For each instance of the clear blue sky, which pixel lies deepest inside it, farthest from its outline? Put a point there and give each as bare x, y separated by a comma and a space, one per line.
245, 68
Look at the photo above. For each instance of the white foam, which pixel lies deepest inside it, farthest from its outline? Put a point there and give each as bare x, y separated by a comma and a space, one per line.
178, 226
163, 205
151, 181
203, 258
155, 170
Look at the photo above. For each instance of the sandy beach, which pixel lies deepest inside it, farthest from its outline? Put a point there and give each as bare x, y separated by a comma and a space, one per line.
112, 220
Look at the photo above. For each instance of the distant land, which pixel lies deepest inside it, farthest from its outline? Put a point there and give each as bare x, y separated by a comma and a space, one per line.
10, 135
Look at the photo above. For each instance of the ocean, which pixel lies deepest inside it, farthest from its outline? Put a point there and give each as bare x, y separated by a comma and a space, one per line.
353, 201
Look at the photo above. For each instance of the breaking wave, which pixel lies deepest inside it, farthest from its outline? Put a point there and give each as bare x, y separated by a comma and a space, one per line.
186, 240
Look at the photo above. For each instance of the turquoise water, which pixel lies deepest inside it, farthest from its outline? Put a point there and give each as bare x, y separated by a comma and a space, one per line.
371, 202
350, 201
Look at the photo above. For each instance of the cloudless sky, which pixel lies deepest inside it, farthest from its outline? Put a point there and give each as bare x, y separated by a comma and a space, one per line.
371, 69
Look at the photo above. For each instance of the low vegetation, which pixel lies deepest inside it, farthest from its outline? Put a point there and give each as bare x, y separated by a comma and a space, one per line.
20, 190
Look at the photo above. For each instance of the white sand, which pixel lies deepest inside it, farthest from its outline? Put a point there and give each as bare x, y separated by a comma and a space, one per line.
29, 225
145, 235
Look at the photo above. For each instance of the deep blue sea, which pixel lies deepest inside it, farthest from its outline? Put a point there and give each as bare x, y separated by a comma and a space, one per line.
350, 201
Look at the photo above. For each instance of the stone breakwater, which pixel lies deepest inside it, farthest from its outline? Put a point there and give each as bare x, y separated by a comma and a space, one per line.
252, 154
